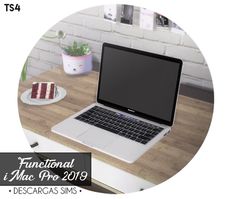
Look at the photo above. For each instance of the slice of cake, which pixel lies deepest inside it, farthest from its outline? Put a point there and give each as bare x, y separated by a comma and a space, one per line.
43, 90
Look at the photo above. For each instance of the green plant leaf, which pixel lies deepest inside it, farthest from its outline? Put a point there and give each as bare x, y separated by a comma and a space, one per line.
24, 71
77, 49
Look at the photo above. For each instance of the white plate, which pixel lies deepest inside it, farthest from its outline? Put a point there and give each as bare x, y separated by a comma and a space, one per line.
26, 97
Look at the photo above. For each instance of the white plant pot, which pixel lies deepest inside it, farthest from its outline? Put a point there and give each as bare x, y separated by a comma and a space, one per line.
77, 65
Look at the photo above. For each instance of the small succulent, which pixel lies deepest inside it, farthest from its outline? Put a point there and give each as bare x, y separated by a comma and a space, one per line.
77, 50
60, 34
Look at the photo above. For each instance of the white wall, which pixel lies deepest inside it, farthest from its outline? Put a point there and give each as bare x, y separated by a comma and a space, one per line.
90, 27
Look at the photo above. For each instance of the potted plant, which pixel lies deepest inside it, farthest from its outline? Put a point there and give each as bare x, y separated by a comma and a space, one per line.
77, 59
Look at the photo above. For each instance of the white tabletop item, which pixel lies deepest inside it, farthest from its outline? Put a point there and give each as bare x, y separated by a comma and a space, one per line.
26, 97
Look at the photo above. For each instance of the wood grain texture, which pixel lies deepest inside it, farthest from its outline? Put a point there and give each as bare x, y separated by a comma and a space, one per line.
162, 161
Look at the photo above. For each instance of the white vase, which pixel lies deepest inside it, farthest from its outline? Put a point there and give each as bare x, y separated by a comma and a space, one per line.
74, 65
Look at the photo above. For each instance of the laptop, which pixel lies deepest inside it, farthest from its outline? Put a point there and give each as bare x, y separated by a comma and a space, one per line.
135, 106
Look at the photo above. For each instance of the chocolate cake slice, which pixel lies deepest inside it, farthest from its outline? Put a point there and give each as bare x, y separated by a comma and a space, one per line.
43, 90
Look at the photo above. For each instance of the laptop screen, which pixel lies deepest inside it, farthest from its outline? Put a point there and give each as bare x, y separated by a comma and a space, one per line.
140, 83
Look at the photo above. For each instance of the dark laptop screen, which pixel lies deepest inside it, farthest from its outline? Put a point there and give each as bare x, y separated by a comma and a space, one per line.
142, 83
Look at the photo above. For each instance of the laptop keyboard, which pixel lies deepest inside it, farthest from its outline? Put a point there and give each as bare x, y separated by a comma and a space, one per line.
120, 124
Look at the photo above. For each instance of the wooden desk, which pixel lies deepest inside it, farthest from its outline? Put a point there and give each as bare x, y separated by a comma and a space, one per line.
162, 161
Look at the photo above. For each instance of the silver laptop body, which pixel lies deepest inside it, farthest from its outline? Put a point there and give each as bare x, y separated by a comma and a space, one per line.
111, 143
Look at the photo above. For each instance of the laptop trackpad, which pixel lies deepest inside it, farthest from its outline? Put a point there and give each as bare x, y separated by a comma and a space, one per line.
97, 138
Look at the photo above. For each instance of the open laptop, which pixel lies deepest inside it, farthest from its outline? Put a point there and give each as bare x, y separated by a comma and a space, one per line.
135, 106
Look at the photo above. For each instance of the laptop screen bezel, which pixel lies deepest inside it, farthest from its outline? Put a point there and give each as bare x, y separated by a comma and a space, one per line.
134, 112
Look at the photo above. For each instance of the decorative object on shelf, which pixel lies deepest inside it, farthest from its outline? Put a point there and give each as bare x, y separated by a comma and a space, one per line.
162, 21
27, 99
146, 19
43, 90
110, 12
77, 59
127, 14
60, 34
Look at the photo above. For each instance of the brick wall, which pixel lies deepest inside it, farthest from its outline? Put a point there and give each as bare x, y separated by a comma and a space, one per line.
90, 27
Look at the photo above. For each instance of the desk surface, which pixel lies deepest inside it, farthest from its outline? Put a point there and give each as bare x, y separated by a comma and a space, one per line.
162, 161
